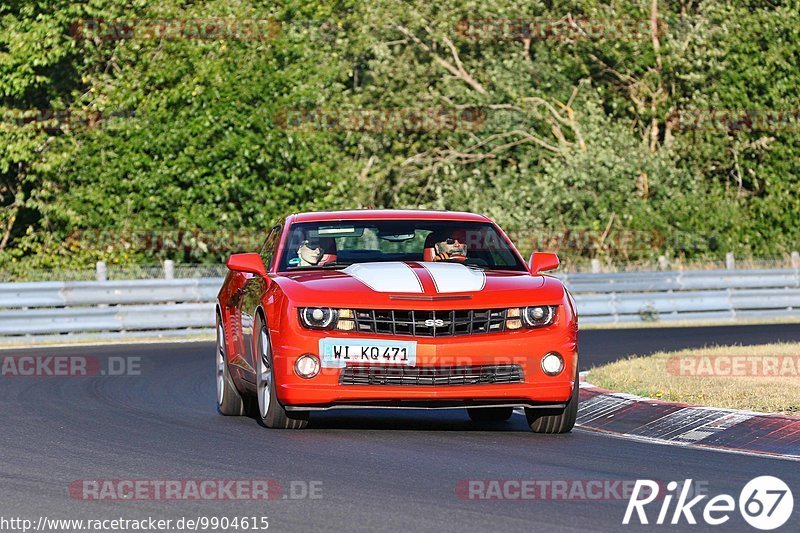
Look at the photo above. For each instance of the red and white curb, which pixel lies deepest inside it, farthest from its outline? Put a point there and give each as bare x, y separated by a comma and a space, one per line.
638, 418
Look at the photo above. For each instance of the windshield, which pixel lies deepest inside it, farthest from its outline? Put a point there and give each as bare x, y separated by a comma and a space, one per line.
318, 245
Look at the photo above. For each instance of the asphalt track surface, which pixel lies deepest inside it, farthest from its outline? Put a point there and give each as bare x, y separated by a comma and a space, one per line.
379, 470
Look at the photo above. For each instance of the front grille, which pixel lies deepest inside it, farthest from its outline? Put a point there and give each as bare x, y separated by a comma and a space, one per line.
430, 323
432, 375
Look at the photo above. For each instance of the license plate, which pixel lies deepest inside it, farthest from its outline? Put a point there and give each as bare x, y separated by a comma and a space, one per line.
338, 353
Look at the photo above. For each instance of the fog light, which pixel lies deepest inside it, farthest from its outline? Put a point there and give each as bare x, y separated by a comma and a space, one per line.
552, 364
307, 366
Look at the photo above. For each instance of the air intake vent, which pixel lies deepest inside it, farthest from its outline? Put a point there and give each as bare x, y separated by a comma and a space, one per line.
440, 375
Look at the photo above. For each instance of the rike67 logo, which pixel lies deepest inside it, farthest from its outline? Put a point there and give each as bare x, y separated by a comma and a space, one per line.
765, 503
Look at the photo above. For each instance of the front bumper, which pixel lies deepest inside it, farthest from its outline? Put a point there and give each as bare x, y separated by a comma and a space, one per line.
524, 348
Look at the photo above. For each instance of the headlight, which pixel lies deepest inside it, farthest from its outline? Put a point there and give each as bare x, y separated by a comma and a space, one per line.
327, 318
537, 316
318, 317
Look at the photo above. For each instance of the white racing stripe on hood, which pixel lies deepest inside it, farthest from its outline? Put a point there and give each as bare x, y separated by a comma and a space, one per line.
453, 277
392, 276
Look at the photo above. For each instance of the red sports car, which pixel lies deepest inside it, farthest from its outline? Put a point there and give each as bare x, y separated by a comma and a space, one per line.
397, 309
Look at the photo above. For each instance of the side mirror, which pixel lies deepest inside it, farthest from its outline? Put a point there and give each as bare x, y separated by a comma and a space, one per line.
542, 262
250, 263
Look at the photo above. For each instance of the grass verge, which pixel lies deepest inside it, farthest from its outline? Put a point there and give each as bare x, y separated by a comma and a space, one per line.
762, 378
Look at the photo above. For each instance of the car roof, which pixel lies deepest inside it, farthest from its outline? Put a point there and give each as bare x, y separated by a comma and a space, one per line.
386, 214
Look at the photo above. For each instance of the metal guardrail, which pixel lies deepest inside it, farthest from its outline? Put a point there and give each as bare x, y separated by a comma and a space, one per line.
686, 295
56, 307
77, 293
681, 280
135, 307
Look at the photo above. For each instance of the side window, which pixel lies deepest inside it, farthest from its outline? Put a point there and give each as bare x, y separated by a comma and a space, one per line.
270, 244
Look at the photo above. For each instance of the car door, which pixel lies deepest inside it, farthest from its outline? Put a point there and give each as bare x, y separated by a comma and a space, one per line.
251, 292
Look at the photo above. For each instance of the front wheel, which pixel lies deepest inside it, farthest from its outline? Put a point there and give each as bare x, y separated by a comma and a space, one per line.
270, 411
229, 401
562, 421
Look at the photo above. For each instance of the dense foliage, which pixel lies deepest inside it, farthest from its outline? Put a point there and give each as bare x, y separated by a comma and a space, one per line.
346, 105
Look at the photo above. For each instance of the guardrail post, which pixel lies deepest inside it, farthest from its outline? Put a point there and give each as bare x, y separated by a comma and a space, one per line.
730, 261
795, 259
169, 269
101, 272
595, 266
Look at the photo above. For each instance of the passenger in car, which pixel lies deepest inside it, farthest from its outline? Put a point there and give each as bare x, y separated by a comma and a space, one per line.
316, 252
310, 252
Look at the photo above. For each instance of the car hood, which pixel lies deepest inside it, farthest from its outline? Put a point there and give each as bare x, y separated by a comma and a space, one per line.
418, 285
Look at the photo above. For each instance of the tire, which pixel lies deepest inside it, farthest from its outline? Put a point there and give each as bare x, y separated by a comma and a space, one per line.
490, 414
229, 401
269, 411
561, 421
